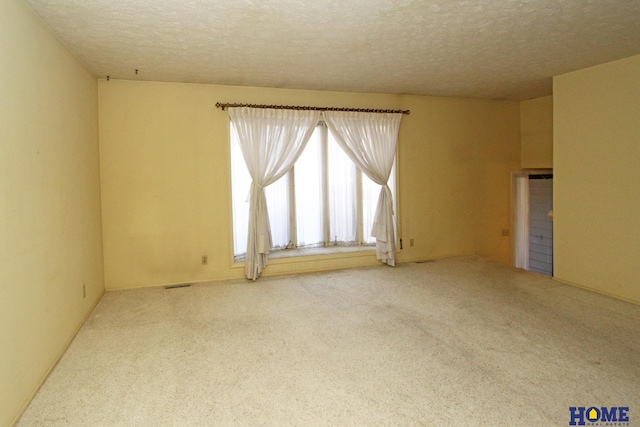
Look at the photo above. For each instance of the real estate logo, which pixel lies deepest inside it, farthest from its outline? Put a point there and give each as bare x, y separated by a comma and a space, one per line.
599, 416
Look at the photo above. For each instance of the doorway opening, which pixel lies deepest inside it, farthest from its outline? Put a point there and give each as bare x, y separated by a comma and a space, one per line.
533, 220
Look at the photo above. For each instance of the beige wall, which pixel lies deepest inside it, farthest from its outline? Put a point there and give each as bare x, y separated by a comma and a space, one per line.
536, 132
597, 178
165, 178
50, 231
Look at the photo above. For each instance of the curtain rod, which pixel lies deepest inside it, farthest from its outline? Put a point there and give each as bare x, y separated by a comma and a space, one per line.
290, 107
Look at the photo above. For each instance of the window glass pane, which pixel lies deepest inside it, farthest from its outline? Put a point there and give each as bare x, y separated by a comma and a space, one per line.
342, 194
370, 195
394, 194
277, 195
308, 190
240, 185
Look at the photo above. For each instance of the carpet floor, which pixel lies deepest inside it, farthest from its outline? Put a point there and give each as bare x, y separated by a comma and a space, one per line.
459, 341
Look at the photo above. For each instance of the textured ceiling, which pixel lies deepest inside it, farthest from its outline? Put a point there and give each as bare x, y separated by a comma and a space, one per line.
497, 49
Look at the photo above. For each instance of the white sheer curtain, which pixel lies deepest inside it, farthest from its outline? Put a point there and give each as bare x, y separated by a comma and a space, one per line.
370, 194
370, 140
343, 196
271, 141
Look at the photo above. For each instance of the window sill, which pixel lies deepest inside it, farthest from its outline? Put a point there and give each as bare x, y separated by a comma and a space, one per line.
291, 253
284, 255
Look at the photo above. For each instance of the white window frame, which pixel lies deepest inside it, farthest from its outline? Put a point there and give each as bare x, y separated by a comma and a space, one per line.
327, 247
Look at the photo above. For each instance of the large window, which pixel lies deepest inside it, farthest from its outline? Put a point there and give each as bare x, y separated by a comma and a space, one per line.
323, 201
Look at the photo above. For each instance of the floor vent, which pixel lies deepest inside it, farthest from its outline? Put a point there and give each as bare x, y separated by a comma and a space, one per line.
425, 261
182, 285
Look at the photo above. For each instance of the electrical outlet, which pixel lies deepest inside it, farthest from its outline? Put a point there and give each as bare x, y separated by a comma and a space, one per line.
84, 290
411, 242
205, 259
505, 233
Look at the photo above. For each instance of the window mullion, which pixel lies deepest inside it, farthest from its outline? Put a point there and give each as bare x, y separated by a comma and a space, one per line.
359, 208
293, 225
324, 167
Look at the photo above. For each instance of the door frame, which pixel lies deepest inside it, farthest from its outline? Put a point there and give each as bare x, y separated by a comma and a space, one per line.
520, 214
